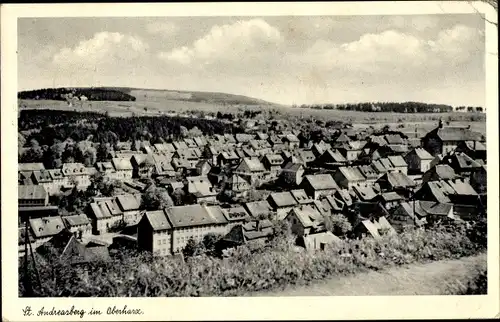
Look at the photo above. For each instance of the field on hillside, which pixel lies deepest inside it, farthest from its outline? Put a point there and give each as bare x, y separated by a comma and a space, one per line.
159, 102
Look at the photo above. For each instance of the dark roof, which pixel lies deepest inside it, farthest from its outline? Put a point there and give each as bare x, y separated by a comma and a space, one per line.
76, 220
321, 182
456, 134
283, 199
257, 208
157, 219
128, 202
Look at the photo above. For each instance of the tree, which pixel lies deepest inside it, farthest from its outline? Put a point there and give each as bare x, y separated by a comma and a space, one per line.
337, 224
193, 248
183, 131
178, 196
155, 198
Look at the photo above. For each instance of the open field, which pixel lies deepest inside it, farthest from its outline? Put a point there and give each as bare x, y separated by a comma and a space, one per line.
150, 102
435, 278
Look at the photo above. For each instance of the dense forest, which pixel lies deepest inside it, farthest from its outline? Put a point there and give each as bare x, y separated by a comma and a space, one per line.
63, 94
44, 134
406, 107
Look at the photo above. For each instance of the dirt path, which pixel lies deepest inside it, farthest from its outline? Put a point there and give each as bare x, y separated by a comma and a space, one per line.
416, 279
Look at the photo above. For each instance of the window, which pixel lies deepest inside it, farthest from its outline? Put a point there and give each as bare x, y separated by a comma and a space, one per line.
164, 241
159, 241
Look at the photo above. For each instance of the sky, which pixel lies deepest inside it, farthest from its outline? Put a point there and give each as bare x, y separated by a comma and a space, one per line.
284, 59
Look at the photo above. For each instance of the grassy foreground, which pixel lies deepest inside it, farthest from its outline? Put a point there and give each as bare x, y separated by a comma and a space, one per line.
275, 266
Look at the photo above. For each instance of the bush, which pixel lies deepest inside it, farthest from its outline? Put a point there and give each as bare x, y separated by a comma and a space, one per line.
275, 265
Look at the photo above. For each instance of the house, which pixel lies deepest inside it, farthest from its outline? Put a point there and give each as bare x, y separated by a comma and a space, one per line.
162, 166
292, 173
200, 141
463, 193
319, 185
228, 158
79, 225
445, 139
45, 228
387, 164
203, 167
105, 214
318, 241
105, 168
379, 167
439, 172
373, 227
256, 232
154, 233
272, 163
43, 178
474, 149
291, 141
164, 148
237, 187
200, 189
347, 177
58, 179
32, 196
305, 220
396, 181
436, 191
461, 163
194, 222
418, 160
65, 248
419, 213
345, 196
190, 143
301, 197
319, 148
180, 145
123, 167
129, 205
368, 171
77, 174
331, 158
364, 192
259, 209
389, 200
143, 165
352, 150
282, 203
336, 205
236, 216
252, 170
306, 157
398, 164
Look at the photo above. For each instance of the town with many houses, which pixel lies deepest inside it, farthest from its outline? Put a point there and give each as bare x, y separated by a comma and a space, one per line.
237, 186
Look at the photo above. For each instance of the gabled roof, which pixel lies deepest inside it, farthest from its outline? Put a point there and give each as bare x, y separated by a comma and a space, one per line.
157, 219
398, 180
368, 172
437, 191
180, 145
292, 167
128, 202
274, 159
475, 145
456, 134
257, 208
74, 168
365, 193
31, 192
308, 215
122, 164
345, 196
42, 176
352, 174
390, 196
252, 164
374, 227
76, 220
394, 139
306, 155
47, 226
386, 163
283, 199
237, 183
162, 163
333, 155
30, 166
244, 138
423, 154
463, 161
397, 161
237, 213
379, 167
342, 138
321, 182
335, 204
300, 196
194, 215
200, 186
105, 166
323, 206
462, 188
442, 171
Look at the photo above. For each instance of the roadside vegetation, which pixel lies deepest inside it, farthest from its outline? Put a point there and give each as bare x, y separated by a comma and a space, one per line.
248, 269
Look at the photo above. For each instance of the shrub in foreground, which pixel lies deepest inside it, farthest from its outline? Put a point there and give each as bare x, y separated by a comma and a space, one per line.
275, 266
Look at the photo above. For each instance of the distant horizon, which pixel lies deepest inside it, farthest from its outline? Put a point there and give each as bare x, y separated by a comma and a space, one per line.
257, 98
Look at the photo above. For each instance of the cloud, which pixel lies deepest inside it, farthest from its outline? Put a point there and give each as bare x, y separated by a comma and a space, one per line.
229, 43
392, 50
102, 49
166, 28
